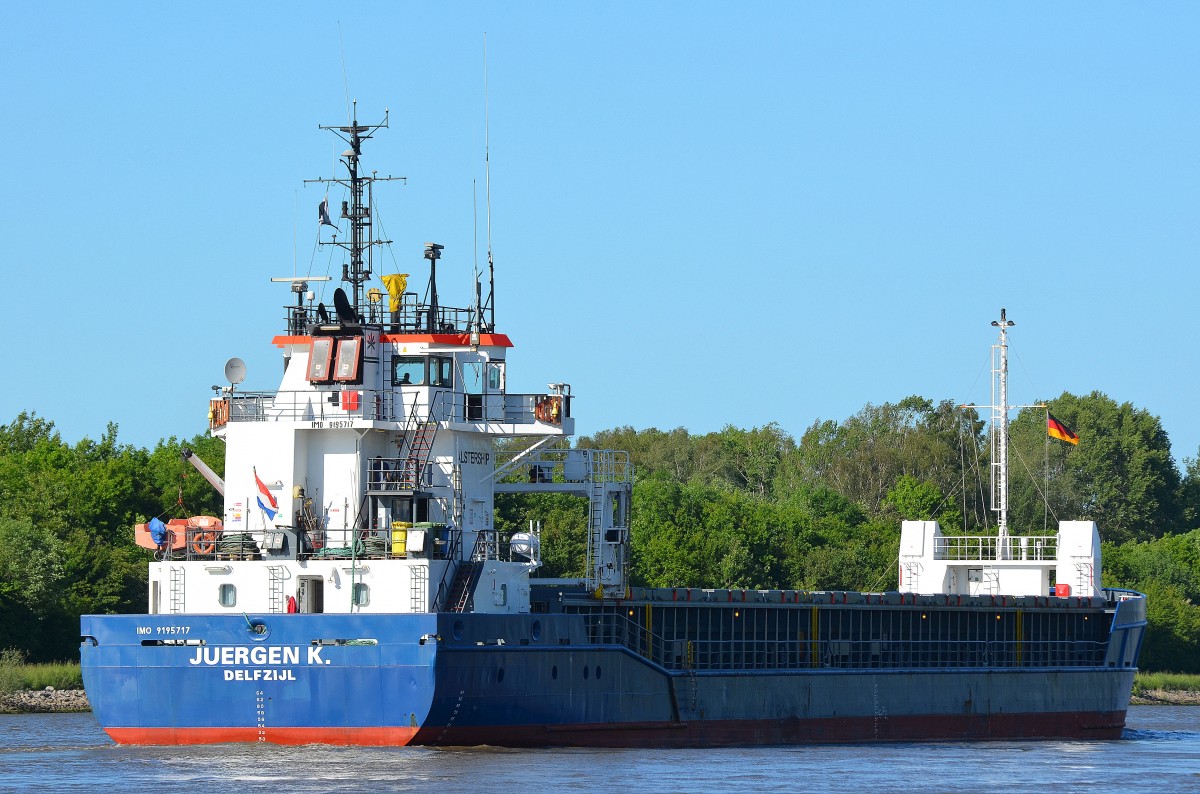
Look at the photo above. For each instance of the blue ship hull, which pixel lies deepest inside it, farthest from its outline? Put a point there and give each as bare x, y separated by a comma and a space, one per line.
536, 680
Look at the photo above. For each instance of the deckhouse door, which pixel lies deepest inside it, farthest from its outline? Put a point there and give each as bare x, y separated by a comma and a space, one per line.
310, 594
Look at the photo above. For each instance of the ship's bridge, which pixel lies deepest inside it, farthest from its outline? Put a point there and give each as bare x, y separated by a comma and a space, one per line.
417, 364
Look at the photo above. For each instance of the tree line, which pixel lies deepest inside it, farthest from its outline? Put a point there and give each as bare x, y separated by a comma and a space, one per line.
66, 526
758, 508
752, 508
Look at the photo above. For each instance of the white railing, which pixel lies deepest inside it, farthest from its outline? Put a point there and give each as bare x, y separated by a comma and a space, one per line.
1040, 548
356, 403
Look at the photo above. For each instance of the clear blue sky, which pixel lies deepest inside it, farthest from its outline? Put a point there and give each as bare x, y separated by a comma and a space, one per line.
703, 213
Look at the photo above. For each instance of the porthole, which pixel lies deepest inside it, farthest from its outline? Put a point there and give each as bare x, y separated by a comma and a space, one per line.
554, 672
457, 630
227, 595
597, 672
500, 675
535, 631
585, 672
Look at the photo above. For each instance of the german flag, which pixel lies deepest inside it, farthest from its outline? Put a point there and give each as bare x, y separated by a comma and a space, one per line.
1059, 430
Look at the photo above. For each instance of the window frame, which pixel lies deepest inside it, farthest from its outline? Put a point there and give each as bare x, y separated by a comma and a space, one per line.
422, 368
440, 373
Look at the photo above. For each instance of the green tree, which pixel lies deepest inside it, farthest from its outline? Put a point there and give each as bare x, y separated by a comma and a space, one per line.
751, 458
31, 565
1120, 475
864, 457
921, 500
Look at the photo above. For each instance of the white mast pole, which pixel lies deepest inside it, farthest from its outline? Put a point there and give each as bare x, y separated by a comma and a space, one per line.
1000, 431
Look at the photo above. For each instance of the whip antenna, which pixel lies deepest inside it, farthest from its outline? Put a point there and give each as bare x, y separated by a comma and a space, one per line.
487, 177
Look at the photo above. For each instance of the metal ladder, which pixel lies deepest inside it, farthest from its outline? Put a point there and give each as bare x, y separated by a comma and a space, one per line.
991, 579
177, 590
419, 587
596, 505
1083, 570
275, 591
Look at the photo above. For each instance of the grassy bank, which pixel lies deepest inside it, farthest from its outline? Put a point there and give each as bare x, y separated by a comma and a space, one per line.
17, 676
1145, 683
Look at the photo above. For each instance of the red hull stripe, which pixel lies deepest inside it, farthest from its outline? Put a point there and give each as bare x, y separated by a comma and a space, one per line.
382, 736
708, 733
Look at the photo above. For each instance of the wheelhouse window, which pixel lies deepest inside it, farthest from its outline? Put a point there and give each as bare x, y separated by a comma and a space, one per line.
472, 377
495, 376
441, 371
319, 361
408, 371
227, 595
349, 356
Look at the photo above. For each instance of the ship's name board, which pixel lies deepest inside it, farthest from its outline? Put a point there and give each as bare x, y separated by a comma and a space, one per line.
241, 656
477, 458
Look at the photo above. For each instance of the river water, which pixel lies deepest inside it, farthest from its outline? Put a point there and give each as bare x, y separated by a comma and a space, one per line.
1160, 752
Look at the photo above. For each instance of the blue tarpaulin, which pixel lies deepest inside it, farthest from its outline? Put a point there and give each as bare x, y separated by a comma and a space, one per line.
158, 531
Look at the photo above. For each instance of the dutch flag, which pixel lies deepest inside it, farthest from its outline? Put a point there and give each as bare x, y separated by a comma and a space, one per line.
266, 500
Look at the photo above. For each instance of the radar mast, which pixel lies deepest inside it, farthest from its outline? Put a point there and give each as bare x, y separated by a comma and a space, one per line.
357, 211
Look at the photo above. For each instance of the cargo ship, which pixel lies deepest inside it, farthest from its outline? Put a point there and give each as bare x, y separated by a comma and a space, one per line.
357, 589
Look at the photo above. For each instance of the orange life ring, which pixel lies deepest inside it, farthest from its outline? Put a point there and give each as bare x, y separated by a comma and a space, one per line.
539, 410
204, 542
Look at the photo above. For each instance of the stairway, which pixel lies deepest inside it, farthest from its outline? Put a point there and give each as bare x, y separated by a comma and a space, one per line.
463, 586
419, 443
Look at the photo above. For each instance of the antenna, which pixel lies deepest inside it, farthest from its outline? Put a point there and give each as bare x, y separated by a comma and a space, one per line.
345, 80
357, 210
477, 319
487, 176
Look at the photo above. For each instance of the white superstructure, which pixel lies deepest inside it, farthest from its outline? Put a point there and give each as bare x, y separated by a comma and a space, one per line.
365, 483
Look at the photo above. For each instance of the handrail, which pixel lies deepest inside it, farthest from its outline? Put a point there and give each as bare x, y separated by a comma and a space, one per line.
599, 465
385, 405
990, 548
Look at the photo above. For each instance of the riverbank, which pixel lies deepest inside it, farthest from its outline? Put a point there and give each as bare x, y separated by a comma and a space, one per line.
43, 701
1165, 697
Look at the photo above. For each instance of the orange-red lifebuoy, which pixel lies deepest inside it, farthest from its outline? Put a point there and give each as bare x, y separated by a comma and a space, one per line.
540, 412
204, 542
